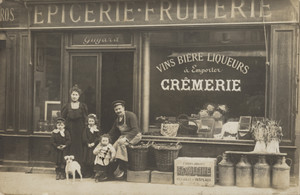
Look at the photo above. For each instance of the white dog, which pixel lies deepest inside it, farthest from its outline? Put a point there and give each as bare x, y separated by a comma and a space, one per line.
72, 167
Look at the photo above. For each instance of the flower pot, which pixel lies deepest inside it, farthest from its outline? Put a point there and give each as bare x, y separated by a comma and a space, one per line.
273, 146
260, 146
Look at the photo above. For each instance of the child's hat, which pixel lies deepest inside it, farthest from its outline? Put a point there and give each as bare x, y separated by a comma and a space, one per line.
60, 120
118, 102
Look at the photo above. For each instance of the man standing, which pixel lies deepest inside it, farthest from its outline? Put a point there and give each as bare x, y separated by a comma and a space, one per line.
126, 130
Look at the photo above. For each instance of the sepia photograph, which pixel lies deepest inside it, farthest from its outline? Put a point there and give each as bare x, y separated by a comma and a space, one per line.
142, 97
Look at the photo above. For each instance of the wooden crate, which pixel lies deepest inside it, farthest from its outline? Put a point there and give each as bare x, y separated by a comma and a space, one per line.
162, 177
138, 176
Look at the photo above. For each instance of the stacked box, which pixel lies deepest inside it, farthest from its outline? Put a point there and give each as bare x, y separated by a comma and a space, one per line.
162, 177
195, 171
138, 176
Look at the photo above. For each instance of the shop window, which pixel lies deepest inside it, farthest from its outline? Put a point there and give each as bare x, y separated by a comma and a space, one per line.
191, 70
47, 81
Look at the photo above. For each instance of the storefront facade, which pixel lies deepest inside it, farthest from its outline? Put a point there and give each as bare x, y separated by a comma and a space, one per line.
163, 57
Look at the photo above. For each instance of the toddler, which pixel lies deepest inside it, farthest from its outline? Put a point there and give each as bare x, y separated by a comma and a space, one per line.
105, 153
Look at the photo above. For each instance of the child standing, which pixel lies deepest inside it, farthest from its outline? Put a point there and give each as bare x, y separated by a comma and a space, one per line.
60, 140
105, 153
90, 139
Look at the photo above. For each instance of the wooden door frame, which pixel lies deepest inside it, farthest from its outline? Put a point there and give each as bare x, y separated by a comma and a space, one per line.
67, 83
135, 48
98, 74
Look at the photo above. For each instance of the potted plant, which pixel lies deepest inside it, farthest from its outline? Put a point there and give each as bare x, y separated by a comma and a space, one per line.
259, 131
267, 134
274, 136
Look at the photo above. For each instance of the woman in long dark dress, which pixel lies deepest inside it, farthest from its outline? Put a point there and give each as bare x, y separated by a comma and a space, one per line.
75, 114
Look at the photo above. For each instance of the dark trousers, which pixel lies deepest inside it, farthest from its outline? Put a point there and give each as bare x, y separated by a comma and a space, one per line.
60, 168
122, 164
101, 171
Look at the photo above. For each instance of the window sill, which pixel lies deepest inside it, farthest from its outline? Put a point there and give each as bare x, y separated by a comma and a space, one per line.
41, 134
196, 140
209, 141
35, 134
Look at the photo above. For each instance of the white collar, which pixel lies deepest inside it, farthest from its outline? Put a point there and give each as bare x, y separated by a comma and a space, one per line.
93, 128
62, 132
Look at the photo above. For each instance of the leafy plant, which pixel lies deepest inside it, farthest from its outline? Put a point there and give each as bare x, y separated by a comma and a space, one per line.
266, 130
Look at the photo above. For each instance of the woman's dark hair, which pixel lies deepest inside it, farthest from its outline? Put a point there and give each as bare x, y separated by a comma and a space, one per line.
75, 88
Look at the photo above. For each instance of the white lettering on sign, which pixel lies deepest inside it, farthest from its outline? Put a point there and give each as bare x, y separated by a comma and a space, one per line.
52, 11
199, 57
225, 60
96, 40
72, 14
201, 71
186, 84
166, 65
7, 14
190, 57
106, 12
163, 11
193, 171
88, 13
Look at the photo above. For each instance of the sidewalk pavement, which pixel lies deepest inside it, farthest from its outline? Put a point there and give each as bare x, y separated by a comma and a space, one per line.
45, 184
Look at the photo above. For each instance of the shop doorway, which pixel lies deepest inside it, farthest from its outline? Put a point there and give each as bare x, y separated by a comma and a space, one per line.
116, 83
103, 78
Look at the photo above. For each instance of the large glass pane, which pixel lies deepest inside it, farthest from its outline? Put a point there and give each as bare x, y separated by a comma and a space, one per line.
116, 83
47, 80
84, 72
190, 70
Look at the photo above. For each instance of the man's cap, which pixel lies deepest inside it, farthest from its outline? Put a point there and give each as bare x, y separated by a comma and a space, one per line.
118, 102
60, 120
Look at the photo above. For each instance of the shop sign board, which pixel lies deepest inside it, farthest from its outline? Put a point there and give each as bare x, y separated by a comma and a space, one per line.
106, 39
195, 171
199, 64
139, 13
195, 78
163, 12
12, 14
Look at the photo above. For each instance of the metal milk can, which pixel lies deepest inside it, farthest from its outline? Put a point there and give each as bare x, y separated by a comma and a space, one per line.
261, 178
226, 172
281, 174
243, 173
